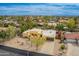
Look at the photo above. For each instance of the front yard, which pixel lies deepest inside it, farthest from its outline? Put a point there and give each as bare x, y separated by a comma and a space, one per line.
22, 43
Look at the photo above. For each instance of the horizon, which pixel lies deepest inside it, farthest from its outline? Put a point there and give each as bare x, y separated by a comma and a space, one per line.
39, 9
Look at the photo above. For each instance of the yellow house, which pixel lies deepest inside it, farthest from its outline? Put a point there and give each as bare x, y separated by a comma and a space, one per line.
32, 32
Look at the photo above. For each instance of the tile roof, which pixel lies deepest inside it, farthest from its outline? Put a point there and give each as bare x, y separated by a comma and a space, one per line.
72, 36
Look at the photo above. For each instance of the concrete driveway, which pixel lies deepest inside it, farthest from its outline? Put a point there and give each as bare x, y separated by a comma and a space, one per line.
73, 50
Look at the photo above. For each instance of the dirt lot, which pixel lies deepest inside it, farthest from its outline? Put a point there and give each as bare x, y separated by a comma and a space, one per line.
25, 44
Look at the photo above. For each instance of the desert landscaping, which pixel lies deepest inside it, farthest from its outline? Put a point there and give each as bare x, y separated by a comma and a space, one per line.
52, 35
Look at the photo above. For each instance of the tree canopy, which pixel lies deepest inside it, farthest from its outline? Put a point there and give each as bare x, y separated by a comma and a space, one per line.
71, 24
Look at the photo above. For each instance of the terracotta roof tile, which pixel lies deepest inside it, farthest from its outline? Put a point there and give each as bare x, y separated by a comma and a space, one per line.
72, 36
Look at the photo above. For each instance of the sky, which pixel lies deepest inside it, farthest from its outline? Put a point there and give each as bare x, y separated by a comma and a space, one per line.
35, 9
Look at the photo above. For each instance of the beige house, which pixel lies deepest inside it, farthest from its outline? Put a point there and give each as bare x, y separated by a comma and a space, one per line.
31, 31
46, 33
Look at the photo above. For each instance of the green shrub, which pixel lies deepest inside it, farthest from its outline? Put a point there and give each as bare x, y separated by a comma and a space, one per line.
3, 34
7, 34
27, 25
11, 31
62, 47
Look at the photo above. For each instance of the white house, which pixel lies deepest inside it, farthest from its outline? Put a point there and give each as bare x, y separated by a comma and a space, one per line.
49, 33
52, 23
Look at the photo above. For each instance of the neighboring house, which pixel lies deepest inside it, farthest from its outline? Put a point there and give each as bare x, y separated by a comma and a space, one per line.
40, 24
11, 22
62, 21
71, 37
77, 28
52, 23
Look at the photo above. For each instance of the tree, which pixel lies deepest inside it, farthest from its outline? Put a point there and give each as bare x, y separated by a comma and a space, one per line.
1, 17
37, 40
27, 25
60, 26
23, 26
2, 34
71, 24
11, 31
